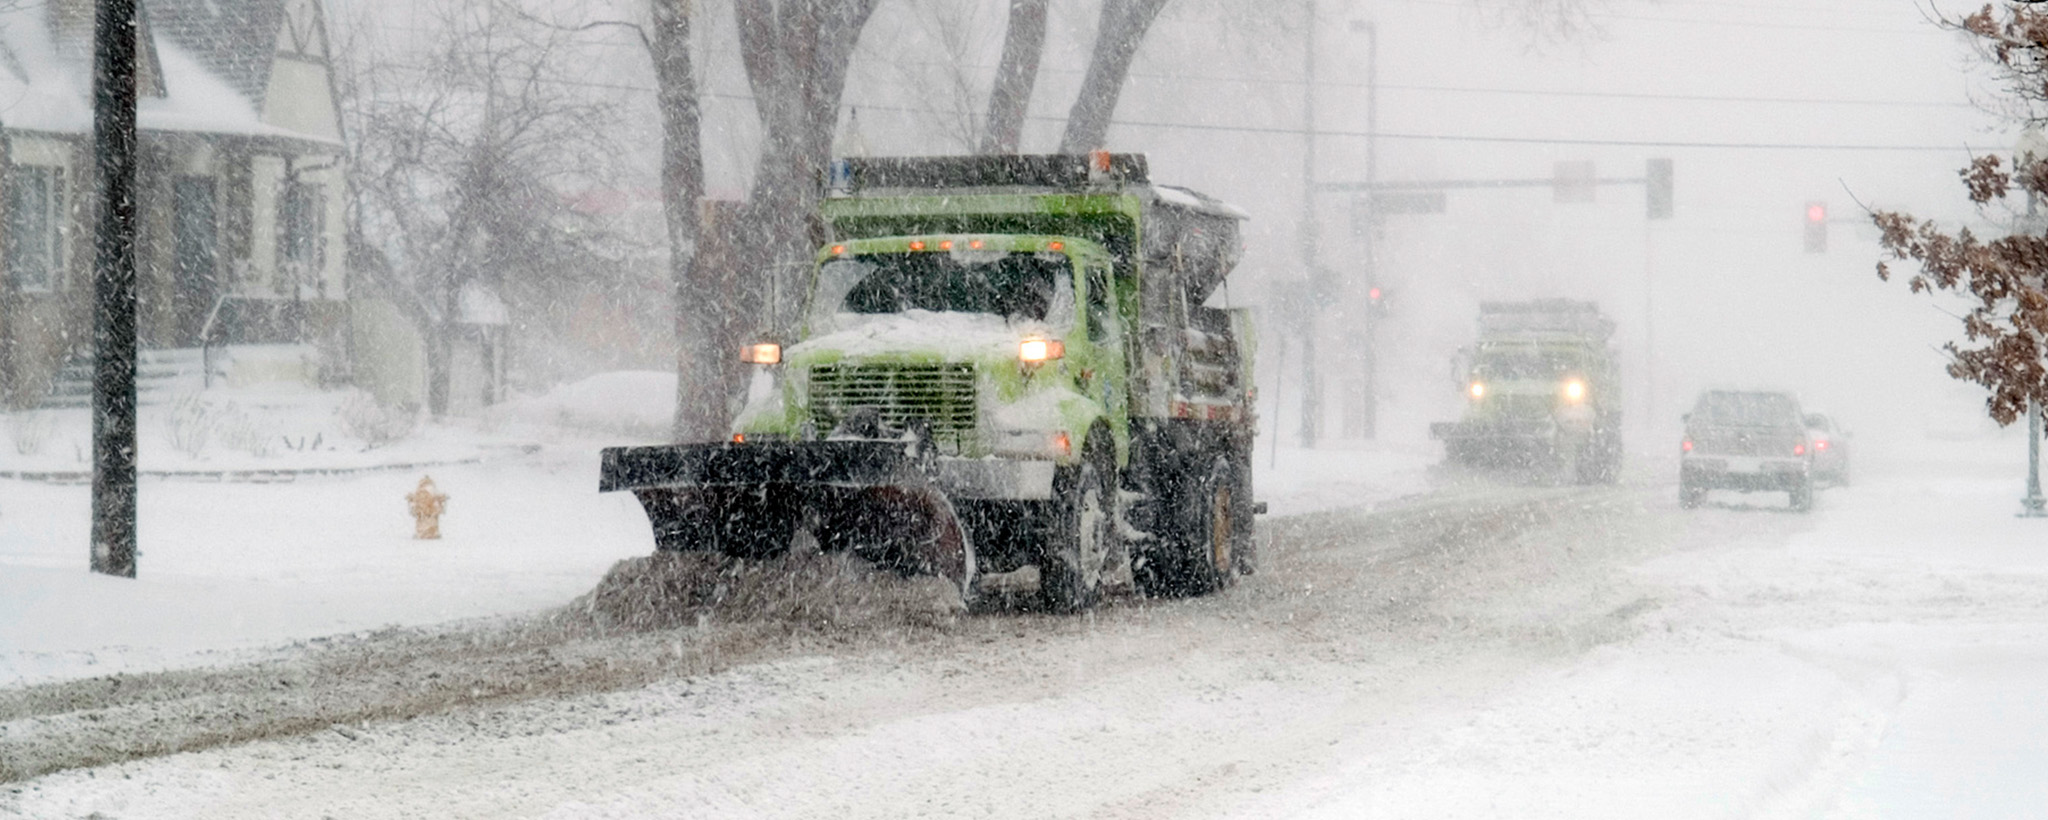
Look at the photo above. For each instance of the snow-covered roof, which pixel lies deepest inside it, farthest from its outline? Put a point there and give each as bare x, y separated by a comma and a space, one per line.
233, 40
47, 87
1198, 202
477, 304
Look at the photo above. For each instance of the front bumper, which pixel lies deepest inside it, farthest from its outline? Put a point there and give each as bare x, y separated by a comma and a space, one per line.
836, 464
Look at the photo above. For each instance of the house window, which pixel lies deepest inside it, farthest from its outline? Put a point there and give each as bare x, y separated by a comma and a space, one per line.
35, 219
302, 237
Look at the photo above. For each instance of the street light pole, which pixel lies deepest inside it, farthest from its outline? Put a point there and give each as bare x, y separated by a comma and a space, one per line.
1369, 361
1311, 387
2033, 506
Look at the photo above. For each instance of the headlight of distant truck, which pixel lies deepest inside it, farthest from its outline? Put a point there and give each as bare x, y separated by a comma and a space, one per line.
1573, 390
1477, 390
763, 353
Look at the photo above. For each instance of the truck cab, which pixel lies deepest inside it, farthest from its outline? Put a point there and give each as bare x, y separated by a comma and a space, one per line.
1003, 363
1541, 391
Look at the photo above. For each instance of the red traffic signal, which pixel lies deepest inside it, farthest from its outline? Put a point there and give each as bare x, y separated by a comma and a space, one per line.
1816, 227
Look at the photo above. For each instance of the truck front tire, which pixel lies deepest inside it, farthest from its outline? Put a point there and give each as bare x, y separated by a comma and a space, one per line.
1083, 534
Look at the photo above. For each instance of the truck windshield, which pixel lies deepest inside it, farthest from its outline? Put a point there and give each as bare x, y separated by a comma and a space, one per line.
1036, 287
1747, 409
1524, 364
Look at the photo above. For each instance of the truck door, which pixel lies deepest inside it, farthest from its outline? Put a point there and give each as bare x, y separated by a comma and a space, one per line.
1107, 365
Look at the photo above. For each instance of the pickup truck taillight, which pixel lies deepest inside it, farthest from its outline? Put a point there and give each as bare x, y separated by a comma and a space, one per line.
1685, 446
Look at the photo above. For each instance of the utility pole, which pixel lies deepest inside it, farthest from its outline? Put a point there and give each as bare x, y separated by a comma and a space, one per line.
1369, 360
1311, 387
113, 269
2033, 506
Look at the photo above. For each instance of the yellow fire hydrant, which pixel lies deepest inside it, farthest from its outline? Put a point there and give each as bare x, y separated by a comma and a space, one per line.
426, 509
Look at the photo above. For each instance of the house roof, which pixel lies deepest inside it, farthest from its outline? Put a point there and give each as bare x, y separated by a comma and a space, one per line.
214, 57
235, 40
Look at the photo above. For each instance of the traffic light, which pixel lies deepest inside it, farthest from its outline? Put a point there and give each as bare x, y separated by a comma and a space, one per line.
1657, 189
1816, 227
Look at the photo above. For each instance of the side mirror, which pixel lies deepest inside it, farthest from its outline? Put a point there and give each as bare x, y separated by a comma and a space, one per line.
1685, 417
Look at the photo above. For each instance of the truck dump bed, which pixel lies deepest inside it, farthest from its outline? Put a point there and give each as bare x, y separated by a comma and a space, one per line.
1547, 319
1186, 238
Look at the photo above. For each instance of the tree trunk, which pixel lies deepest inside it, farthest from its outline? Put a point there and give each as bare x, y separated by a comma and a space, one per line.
439, 346
1016, 77
702, 350
796, 56
1123, 27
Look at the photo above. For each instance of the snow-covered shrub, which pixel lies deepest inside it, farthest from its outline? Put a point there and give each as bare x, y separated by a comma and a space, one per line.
249, 433
197, 421
374, 422
30, 429
190, 424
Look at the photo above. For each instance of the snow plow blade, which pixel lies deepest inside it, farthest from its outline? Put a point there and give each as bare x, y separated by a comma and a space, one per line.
874, 498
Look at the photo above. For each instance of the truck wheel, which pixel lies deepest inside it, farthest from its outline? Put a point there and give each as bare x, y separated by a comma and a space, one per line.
1192, 551
1689, 496
1246, 551
1801, 495
1209, 554
1599, 462
1083, 536
1219, 569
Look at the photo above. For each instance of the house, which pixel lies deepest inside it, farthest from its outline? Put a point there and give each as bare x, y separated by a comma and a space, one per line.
239, 185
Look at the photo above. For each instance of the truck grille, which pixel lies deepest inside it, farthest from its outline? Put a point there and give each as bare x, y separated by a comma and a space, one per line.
942, 394
1523, 406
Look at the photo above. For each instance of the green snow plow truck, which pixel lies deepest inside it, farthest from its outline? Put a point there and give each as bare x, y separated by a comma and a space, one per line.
1542, 392
1005, 363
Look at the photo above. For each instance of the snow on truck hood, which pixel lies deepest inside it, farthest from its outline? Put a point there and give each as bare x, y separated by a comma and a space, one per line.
948, 335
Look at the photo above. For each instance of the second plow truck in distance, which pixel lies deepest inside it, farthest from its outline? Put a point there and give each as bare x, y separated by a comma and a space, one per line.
1005, 362
1542, 393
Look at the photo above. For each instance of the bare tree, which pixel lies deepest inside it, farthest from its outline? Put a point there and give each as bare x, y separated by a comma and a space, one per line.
1123, 27
796, 54
457, 159
2006, 277
1016, 78
705, 337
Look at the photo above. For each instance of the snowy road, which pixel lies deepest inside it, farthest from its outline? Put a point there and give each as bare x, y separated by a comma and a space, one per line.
1557, 652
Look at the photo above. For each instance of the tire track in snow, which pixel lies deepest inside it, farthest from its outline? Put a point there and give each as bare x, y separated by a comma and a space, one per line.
398, 675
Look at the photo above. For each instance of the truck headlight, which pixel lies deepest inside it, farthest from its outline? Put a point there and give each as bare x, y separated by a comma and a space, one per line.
763, 353
1477, 391
1574, 391
1040, 351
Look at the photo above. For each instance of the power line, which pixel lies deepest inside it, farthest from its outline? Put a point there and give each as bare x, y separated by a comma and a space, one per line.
1633, 95
1454, 89
1287, 131
1711, 22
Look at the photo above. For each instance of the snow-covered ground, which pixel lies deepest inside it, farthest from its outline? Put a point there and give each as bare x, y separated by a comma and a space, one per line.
237, 567
1599, 654
324, 546
1884, 659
